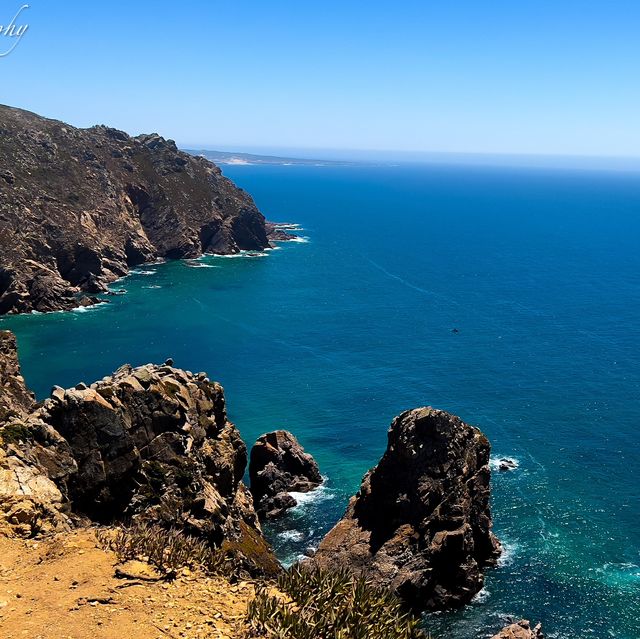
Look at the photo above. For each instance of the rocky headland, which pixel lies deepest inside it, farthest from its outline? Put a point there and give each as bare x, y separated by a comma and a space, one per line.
80, 207
421, 523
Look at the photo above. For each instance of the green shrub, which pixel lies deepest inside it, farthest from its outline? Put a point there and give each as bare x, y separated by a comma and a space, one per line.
15, 432
329, 605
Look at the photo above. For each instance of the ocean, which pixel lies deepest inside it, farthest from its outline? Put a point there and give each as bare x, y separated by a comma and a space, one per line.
330, 337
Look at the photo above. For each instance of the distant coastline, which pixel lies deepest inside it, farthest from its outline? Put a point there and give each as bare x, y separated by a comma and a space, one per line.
330, 157
238, 159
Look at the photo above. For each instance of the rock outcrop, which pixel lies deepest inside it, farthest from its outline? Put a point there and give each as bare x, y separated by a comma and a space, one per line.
150, 443
279, 466
35, 461
79, 207
15, 398
520, 630
420, 523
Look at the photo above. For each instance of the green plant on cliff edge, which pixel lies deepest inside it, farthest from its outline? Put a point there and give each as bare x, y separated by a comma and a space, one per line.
169, 550
316, 604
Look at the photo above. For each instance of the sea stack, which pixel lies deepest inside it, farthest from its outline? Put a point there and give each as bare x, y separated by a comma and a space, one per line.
279, 466
420, 523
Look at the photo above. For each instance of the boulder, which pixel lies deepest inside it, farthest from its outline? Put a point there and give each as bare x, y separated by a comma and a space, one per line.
520, 630
279, 466
420, 523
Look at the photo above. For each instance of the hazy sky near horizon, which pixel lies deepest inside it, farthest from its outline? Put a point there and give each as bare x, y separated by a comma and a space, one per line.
500, 76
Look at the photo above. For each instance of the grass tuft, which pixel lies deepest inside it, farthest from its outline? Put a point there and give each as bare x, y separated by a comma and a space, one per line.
169, 550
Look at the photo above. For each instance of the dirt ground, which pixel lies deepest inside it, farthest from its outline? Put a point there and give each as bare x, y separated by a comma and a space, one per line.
67, 587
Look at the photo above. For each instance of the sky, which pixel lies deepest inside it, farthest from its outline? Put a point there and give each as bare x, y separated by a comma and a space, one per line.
492, 76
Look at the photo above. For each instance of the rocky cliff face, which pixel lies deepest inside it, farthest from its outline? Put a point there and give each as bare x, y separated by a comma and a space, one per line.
35, 461
15, 398
421, 523
151, 443
79, 207
279, 466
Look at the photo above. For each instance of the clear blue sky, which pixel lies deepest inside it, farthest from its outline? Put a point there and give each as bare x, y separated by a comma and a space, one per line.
514, 76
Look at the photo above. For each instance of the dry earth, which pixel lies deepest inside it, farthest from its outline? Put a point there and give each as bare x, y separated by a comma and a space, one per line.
67, 587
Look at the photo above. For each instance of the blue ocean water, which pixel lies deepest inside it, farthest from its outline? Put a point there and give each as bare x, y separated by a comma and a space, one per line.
539, 271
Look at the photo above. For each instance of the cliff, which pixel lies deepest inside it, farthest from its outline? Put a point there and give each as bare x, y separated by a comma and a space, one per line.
149, 455
80, 207
148, 444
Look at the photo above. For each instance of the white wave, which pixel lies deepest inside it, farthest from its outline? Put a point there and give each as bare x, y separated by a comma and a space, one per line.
291, 535
503, 463
621, 574
86, 309
242, 254
481, 596
299, 238
287, 226
153, 286
201, 265
140, 271
318, 495
509, 553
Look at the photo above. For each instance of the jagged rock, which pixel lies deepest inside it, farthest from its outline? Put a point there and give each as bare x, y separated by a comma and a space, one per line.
505, 464
79, 207
35, 462
278, 466
154, 443
421, 523
520, 630
150, 443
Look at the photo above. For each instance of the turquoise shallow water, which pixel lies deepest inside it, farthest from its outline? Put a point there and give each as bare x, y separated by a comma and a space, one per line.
539, 271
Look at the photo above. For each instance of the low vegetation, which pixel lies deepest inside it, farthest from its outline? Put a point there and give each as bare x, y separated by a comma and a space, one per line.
169, 550
13, 432
300, 604
315, 604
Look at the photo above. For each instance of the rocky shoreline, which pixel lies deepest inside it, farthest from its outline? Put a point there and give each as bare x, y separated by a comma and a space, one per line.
151, 450
153, 445
80, 207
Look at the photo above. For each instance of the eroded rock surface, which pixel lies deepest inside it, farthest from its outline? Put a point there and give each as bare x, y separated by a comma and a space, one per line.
15, 397
279, 466
79, 207
35, 461
420, 523
151, 443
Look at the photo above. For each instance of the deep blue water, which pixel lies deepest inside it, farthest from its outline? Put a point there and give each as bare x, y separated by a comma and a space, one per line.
540, 273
